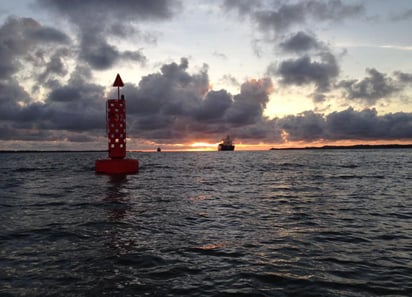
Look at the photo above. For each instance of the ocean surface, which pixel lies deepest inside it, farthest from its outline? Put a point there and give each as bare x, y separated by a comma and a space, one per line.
265, 223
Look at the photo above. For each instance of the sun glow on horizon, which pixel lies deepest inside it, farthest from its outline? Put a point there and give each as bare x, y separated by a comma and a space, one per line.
203, 146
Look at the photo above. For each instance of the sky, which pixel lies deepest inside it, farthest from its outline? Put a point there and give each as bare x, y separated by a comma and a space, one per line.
270, 73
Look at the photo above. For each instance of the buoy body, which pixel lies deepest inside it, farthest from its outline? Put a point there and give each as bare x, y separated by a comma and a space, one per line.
116, 135
117, 166
116, 127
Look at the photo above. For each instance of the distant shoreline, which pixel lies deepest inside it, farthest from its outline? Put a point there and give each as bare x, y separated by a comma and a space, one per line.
349, 147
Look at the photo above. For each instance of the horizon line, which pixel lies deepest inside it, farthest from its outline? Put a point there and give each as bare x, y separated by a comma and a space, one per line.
354, 146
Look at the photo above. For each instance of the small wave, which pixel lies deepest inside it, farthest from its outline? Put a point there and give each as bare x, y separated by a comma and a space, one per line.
351, 176
210, 246
154, 166
336, 236
6, 205
392, 237
25, 169
350, 166
141, 261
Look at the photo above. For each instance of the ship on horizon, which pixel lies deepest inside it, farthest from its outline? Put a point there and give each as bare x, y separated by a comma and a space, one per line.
226, 144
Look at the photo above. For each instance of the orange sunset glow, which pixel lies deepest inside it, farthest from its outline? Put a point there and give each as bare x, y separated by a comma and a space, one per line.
201, 146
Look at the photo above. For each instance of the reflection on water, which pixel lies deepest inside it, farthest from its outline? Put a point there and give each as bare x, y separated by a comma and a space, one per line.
117, 203
117, 199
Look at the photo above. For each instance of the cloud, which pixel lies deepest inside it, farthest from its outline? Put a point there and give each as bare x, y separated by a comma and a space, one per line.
101, 55
248, 106
55, 66
26, 39
402, 16
303, 71
347, 125
172, 91
281, 17
402, 77
110, 18
12, 97
123, 10
174, 102
315, 64
214, 106
242, 6
307, 126
372, 88
175, 105
367, 124
300, 42
76, 106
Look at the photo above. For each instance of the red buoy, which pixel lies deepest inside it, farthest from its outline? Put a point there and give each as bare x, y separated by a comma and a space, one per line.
116, 134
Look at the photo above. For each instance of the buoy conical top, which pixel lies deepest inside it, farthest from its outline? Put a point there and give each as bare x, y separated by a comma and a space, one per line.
118, 81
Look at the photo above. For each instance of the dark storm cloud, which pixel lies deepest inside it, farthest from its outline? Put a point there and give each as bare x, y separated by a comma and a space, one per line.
283, 15
347, 124
44, 34
9, 132
101, 55
305, 70
306, 126
375, 86
123, 10
402, 77
316, 64
11, 93
367, 124
98, 20
214, 106
300, 42
242, 6
20, 33
333, 10
26, 39
174, 106
248, 106
75, 106
176, 102
172, 91
55, 66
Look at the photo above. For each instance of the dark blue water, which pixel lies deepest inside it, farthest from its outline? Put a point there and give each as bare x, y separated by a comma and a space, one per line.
272, 223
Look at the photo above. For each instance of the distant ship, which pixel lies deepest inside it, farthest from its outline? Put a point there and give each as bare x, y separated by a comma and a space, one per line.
226, 145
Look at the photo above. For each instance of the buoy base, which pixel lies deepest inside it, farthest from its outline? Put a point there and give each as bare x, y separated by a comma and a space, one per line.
117, 166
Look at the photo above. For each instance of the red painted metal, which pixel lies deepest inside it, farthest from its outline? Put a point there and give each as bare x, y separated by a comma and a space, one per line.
116, 128
116, 134
117, 166
118, 81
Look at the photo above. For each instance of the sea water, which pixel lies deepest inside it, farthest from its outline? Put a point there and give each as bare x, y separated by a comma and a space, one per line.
265, 223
